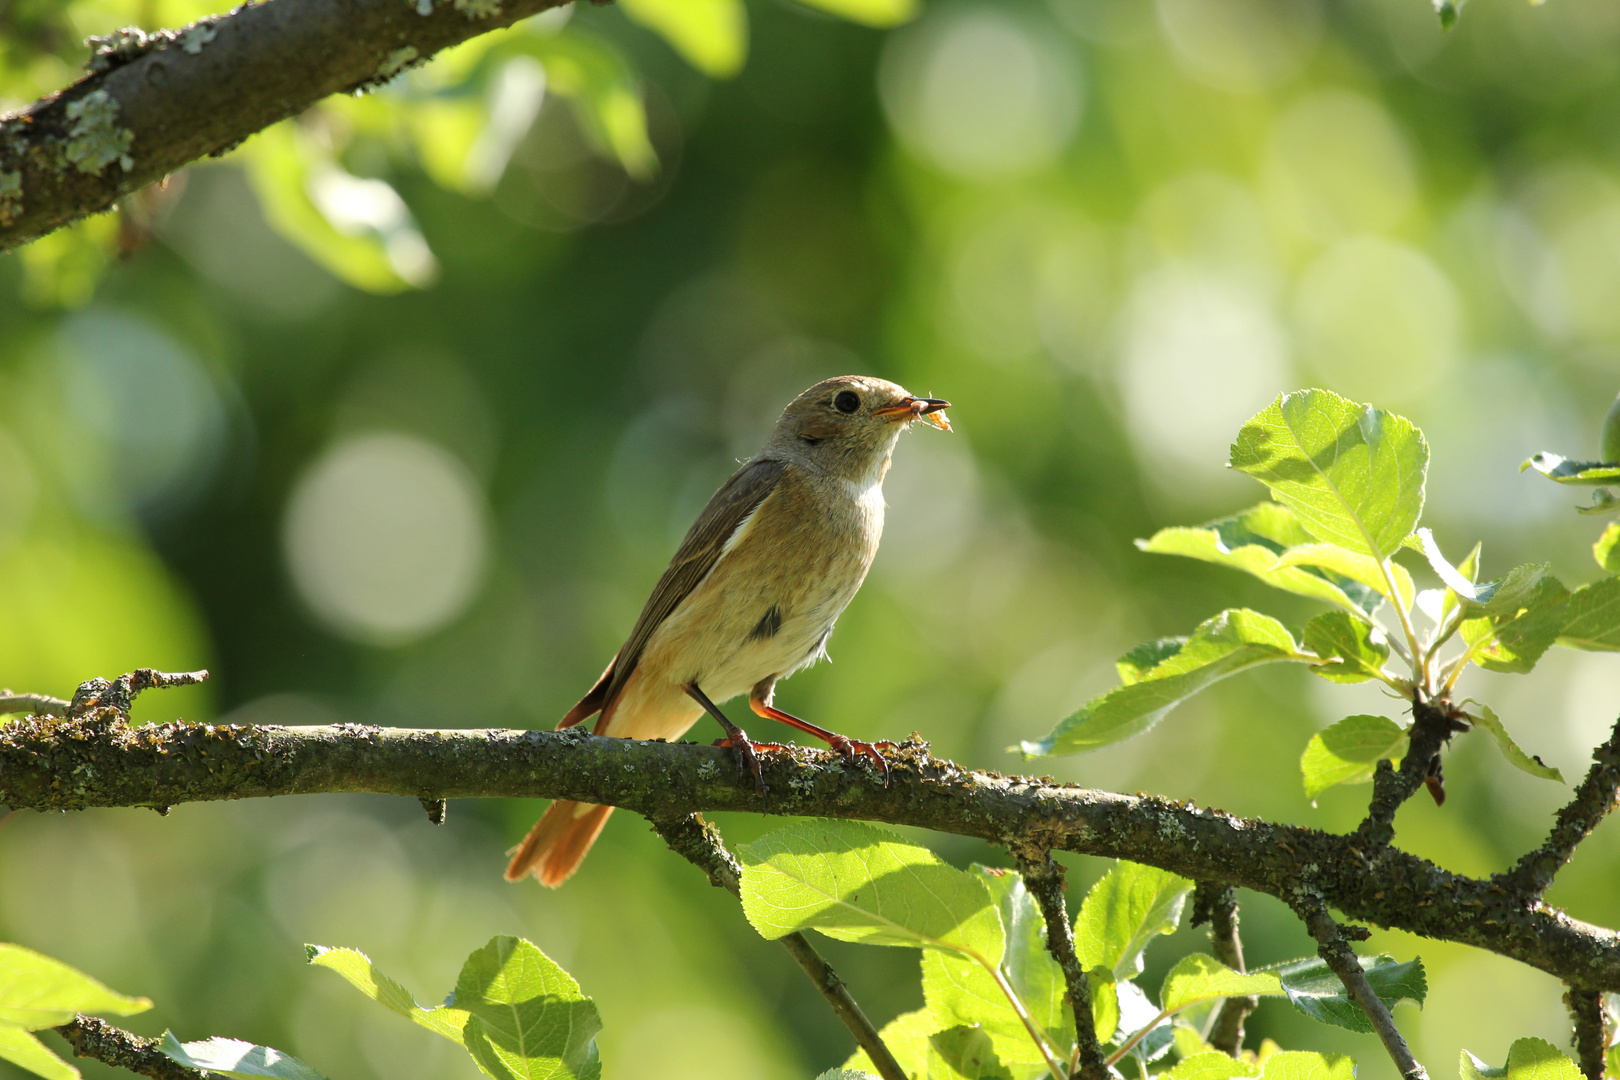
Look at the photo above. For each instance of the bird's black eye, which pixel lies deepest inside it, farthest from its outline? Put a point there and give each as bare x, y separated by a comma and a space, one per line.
847, 401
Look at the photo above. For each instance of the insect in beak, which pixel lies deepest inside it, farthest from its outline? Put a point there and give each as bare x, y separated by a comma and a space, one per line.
927, 410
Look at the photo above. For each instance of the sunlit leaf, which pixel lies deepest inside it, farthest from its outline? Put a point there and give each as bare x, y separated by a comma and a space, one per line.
1349, 751
235, 1058
37, 991
1514, 640
1528, 1059
361, 973
1138, 1012
1568, 471
1604, 550
1211, 1065
23, 1048
1592, 619
857, 882
1223, 645
1305, 1065
966, 1052
1314, 990
1199, 977
1352, 474
906, 1036
1104, 989
527, 1018
1363, 569
711, 34
1485, 718
1145, 657
1361, 649
870, 12
1253, 541
1122, 914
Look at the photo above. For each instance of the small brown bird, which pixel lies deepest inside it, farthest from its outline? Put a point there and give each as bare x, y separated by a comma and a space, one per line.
751, 595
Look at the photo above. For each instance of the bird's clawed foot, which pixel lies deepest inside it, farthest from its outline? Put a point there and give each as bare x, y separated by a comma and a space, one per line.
747, 760
850, 747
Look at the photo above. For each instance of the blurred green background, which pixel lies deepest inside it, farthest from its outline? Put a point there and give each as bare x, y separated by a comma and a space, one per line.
407, 439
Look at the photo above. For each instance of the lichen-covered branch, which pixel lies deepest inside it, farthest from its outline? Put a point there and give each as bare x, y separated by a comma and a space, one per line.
699, 843
1433, 724
1341, 959
93, 1038
155, 103
1216, 904
1043, 877
1591, 1040
1596, 796
98, 760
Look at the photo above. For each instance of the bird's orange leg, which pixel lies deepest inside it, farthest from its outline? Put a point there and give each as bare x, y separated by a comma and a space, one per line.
841, 743
736, 738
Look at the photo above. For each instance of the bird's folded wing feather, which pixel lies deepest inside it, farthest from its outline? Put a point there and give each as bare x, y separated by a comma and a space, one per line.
705, 542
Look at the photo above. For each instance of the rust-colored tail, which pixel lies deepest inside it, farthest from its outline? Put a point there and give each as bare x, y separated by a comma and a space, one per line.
558, 842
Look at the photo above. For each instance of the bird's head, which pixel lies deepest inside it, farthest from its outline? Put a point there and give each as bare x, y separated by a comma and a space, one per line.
848, 425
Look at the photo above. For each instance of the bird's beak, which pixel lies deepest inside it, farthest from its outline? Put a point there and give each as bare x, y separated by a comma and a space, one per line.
925, 409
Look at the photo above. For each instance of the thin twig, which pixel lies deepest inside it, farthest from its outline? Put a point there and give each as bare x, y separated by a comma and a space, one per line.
1433, 724
1595, 798
1216, 904
1043, 877
1591, 1040
1336, 952
32, 704
93, 1038
120, 694
699, 843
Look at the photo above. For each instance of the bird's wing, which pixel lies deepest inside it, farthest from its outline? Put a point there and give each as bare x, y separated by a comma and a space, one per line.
705, 542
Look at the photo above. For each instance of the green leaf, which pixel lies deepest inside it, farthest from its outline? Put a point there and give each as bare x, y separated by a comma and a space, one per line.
1314, 990
1352, 474
857, 882
1468, 570
373, 245
1223, 645
527, 1018
1528, 1059
1488, 720
1568, 471
604, 89
961, 992
1104, 1001
361, 973
1124, 912
1513, 640
1349, 751
906, 1036
1356, 567
1253, 541
1145, 657
711, 34
37, 991
1592, 619
1614, 1060
1211, 1065
1199, 977
966, 1052
1604, 550
1360, 649
233, 1057
21, 1048
1305, 1065
869, 12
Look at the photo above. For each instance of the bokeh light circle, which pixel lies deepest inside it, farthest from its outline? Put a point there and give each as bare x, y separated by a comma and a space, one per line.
1242, 45
385, 537
980, 93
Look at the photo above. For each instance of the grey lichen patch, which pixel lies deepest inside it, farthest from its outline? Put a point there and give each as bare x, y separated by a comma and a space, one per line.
11, 196
198, 34
479, 9
396, 62
118, 48
96, 140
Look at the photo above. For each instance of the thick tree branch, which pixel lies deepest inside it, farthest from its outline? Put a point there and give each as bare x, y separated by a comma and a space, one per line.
204, 89
1216, 904
1591, 1040
1596, 796
99, 760
93, 1038
1337, 954
1043, 877
699, 843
